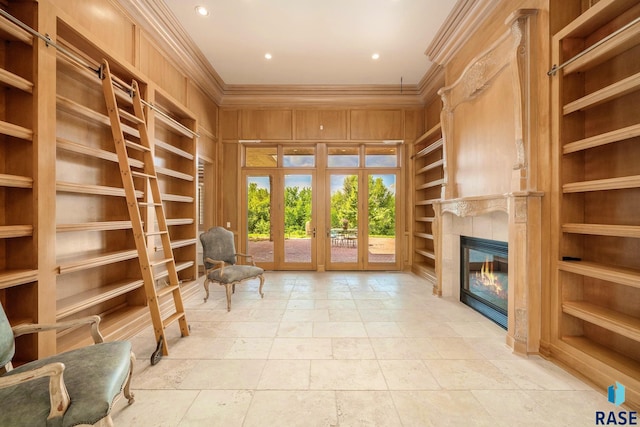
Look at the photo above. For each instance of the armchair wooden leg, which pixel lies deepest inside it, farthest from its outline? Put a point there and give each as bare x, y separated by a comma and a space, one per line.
127, 386
228, 286
261, 277
206, 289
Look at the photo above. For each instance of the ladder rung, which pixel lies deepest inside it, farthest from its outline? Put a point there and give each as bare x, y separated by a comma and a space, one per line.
156, 233
166, 290
131, 117
142, 175
136, 146
171, 319
149, 204
160, 261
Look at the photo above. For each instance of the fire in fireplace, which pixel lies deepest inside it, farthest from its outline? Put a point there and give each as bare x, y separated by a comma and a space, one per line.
484, 272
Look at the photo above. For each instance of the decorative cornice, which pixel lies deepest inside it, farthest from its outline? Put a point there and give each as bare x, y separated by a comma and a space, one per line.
462, 22
321, 95
154, 17
431, 83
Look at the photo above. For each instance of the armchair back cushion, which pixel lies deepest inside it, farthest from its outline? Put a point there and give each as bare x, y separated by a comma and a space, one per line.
218, 244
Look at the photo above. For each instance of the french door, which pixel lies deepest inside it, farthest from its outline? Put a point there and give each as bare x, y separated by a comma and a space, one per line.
357, 226
361, 220
279, 220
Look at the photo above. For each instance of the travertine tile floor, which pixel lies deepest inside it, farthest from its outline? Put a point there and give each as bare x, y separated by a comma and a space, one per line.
346, 349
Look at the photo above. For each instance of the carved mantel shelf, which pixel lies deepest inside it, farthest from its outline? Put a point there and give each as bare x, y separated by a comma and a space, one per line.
473, 206
524, 221
480, 205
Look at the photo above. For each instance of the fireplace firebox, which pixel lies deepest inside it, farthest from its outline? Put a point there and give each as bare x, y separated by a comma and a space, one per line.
484, 271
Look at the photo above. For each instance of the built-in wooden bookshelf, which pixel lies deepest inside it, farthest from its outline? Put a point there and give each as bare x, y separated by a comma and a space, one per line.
97, 265
428, 180
596, 135
18, 181
97, 262
176, 165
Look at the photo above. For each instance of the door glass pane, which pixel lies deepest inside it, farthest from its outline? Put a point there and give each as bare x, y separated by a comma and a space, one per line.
382, 218
344, 218
298, 230
298, 158
381, 157
342, 157
260, 243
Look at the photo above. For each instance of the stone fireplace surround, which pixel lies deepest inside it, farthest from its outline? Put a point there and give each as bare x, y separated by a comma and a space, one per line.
512, 218
505, 208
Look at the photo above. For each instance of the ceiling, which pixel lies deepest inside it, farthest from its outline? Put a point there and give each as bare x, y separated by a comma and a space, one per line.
314, 42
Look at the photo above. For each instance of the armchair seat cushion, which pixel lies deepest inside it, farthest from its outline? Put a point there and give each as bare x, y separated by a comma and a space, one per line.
94, 376
235, 273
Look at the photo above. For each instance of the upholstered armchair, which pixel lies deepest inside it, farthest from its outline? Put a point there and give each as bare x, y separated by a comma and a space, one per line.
220, 261
77, 387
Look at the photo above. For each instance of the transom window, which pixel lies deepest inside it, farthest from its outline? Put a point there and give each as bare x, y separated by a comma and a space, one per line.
381, 157
261, 157
373, 156
294, 157
343, 157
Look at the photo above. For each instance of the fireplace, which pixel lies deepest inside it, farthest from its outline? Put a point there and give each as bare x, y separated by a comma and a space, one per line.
484, 277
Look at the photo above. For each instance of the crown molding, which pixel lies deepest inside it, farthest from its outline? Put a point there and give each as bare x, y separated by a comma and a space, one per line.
322, 95
431, 83
462, 22
160, 26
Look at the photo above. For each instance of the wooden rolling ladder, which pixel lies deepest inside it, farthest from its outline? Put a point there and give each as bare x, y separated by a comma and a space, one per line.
147, 196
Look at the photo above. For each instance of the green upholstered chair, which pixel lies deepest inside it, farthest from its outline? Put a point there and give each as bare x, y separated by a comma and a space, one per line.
77, 387
220, 261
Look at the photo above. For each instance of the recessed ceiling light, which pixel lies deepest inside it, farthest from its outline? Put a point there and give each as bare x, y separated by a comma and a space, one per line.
201, 10
375, 56
267, 56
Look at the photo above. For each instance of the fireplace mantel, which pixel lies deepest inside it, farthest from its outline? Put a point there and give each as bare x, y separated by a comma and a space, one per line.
473, 206
523, 210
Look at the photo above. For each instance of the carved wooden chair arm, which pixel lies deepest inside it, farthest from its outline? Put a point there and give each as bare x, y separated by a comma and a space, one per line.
58, 395
216, 264
247, 256
94, 321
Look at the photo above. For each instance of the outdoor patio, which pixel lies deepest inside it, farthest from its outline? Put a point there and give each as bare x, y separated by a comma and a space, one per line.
381, 250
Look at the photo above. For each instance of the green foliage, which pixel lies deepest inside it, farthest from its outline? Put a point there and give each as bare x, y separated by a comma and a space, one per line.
382, 206
344, 205
258, 210
297, 210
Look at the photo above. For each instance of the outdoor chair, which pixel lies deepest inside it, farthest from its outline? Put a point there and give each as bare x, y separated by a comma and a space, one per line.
220, 261
76, 387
